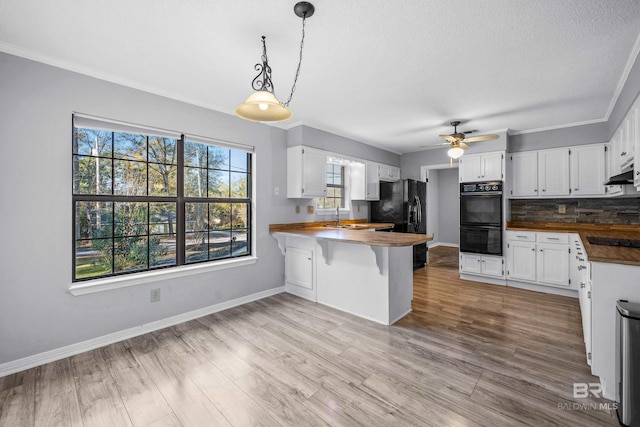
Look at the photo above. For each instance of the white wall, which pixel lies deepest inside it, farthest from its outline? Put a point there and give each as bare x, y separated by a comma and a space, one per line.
449, 206
37, 313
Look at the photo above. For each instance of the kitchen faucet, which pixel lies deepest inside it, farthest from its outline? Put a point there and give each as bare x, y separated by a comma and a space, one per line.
337, 216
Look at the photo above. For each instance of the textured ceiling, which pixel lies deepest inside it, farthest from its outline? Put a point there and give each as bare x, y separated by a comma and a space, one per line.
387, 73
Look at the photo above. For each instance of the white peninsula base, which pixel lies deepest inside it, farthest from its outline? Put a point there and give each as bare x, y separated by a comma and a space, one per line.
373, 282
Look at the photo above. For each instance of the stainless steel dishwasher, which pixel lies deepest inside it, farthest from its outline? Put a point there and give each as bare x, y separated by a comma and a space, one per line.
628, 362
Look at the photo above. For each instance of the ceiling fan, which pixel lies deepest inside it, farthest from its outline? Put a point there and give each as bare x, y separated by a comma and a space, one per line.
458, 140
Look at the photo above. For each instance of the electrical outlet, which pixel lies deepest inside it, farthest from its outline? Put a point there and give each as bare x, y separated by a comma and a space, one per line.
310, 209
276, 191
155, 295
562, 209
297, 208
358, 208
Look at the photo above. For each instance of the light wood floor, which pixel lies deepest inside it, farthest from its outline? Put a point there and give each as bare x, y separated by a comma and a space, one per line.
469, 354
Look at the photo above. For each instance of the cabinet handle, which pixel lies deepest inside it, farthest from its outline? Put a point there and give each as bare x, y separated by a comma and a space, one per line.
535, 189
553, 238
624, 153
580, 259
544, 189
533, 249
582, 285
541, 250
575, 189
522, 237
637, 172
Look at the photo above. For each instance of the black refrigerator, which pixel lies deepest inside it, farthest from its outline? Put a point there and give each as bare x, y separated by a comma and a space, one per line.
404, 204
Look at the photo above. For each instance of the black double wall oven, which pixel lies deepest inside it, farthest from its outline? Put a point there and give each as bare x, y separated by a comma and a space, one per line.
481, 217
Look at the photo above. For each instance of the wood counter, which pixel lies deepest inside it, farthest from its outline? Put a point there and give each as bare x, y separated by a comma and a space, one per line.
598, 253
361, 233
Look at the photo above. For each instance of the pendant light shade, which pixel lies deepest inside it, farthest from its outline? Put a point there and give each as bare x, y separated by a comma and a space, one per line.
263, 106
455, 152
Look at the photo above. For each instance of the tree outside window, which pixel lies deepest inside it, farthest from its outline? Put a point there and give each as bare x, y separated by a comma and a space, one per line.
334, 174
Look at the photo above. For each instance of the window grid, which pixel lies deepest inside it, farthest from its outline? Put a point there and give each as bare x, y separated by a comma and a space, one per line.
175, 214
335, 188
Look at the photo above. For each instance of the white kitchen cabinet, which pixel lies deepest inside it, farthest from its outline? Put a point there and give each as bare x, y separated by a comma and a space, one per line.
588, 172
541, 258
553, 172
580, 275
306, 172
482, 167
483, 265
636, 143
552, 264
524, 174
388, 173
626, 141
300, 274
372, 181
521, 260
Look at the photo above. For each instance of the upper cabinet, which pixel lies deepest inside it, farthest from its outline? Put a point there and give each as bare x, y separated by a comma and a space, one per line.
553, 172
388, 173
365, 183
588, 170
306, 169
636, 143
559, 172
482, 167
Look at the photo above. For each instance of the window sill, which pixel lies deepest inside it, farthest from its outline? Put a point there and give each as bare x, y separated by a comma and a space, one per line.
110, 283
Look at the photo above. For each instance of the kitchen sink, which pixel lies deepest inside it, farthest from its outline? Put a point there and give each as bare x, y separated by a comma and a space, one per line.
613, 241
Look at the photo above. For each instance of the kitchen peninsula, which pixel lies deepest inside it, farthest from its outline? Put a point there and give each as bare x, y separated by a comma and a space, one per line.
352, 267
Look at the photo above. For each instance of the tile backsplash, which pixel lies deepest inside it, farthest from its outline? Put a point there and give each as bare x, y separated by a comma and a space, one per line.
593, 211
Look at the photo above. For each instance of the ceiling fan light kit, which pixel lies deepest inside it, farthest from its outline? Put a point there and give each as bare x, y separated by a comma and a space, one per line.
263, 105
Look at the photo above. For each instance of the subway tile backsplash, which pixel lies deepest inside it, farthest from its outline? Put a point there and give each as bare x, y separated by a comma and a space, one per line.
592, 211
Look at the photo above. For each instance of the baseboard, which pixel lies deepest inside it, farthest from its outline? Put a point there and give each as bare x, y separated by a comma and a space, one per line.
483, 279
449, 245
81, 347
541, 288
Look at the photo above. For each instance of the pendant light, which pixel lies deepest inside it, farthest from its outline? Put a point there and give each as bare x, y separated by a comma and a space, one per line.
263, 105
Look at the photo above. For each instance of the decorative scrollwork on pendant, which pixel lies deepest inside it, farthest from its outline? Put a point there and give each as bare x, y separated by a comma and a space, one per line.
263, 80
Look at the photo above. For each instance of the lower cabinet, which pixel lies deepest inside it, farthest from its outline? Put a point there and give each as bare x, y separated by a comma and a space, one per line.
482, 265
299, 270
541, 258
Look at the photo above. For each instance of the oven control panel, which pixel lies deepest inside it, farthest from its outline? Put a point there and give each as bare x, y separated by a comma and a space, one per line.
494, 187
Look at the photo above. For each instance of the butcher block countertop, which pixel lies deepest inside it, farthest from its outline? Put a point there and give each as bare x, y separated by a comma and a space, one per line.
354, 232
598, 253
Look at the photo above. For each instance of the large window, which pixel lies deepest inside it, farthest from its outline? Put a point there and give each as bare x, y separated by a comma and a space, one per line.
145, 200
334, 176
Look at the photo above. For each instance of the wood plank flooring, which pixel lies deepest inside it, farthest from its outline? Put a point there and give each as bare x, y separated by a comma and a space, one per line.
469, 354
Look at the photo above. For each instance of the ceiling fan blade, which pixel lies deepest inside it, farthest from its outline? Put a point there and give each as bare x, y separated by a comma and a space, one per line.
448, 138
481, 138
463, 145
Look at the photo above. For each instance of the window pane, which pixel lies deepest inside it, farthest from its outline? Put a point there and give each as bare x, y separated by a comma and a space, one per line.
162, 218
196, 217
162, 150
321, 203
220, 214
93, 258
195, 154
92, 142
196, 247
330, 191
93, 219
240, 215
162, 250
218, 158
162, 180
130, 253
91, 175
130, 219
239, 160
329, 170
129, 146
195, 182
130, 178
218, 184
239, 188
239, 242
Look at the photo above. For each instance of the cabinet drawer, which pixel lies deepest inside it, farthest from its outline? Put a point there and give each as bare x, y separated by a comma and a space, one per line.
553, 238
523, 236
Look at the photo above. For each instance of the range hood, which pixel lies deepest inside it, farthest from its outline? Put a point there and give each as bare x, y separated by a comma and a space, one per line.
622, 179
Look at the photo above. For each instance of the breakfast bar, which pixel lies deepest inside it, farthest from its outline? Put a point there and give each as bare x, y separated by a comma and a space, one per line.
351, 268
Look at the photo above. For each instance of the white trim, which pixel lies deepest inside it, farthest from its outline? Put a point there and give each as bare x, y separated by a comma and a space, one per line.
567, 125
624, 77
449, 245
567, 292
110, 283
483, 279
81, 347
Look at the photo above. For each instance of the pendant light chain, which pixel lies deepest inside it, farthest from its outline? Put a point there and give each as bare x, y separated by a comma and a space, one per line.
295, 80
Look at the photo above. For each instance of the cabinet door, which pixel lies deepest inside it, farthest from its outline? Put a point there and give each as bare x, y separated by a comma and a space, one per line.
394, 173
492, 266
491, 166
588, 170
383, 172
553, 264
373, 181
470, 263
626, 155
636, 143
470, 168
524, 174
314, 169
553, 172
521, 261
299, 267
